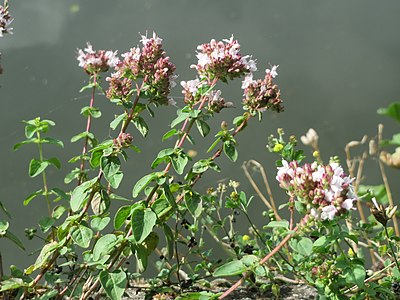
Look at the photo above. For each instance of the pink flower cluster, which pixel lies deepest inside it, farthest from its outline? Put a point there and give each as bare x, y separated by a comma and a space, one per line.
96, 61
192, 93
5, 21
260, 95
148, 63
324, 190
222, 60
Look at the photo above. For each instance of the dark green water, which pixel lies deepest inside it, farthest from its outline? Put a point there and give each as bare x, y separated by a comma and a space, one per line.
339, 61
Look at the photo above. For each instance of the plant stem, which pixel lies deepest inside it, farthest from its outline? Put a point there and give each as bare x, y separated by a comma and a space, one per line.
257, 189
261, 262
386, 182
391, 248
88, 124
45, 188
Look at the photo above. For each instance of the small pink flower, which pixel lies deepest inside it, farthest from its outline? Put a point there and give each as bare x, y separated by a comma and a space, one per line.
328, 212
96, 61
318, 174
5, 21
155, 39
272, 72
248, 80
348, 204
191, 86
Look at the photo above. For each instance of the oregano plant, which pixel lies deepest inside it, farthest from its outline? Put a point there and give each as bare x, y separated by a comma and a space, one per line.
87, 244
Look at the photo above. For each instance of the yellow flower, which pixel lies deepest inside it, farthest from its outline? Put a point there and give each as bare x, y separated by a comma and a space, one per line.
278, 147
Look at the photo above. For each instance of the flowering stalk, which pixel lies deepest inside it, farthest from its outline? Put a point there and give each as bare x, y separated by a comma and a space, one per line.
5, 22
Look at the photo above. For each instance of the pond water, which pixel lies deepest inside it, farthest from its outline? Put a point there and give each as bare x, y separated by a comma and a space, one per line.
338, 62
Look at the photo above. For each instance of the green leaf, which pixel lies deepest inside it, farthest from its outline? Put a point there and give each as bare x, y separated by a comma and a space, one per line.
12, 284
142, 257
44, 255
95, 158
165, 152
194, 204
116, 121
161, 207
278, 224
303, 246
121, 216
88, 86
179, 119
169, 196
98, 223
141, 125
58, 211
169, 236
3, 208
249, 260
54, 161
393, 111
203, 127
143, 221
231, 268
92, 111
377, 191
104, 245
36, 167
81, 235
111, 166
169, 134
100, 203
113, 283
230, 150
201, 166
60, 194
179, 162
213, 145
142, 183
18, 145
46, 223
355, 274
48, 295
320, 244
30, 131
82, 135
49, 140
158, 161
71, 176
197, 296
80, 193
32, 196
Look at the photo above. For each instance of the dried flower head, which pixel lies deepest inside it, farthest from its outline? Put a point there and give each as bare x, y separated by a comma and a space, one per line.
391, 159
96, 61
381, 214
324, 190
310, 139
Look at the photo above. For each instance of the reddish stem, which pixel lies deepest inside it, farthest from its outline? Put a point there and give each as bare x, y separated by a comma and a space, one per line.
268, 256
88, 123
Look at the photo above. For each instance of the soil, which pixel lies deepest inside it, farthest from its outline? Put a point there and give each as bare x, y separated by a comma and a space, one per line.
287, 292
